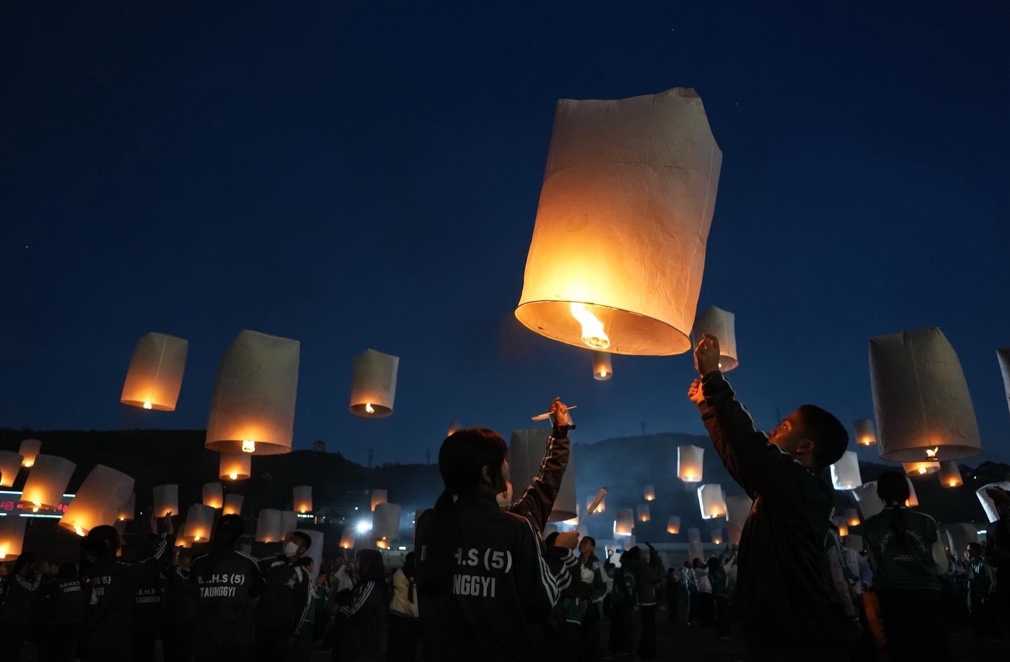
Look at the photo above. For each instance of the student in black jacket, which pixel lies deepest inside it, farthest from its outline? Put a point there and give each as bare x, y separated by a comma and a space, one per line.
62, 606
285, 602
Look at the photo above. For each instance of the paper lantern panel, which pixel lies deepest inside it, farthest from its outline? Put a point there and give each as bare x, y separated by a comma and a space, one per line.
711, 501
233, 504
213, 495
673, 525
154, 378
950, 474
235, 466
721, 324
289, 522
867, 499
920, 468
649, 492
643, 513
386, 521
988, 505
526, 453
166, 500
10, 466
129, 509
47, 481
1003, 354
302, 498
379, 496
268, 526
624, 524
29, 450
373, 385
689, 463
845, 472
199, 523
12, 536
99, 501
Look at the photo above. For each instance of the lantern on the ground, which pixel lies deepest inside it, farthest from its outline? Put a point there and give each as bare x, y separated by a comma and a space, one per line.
28, 451
98, 501
600, 507
233, 504
711, 501
921, 400
235, 466
253, 406
867, 499
920, 468
737, 510
12, 536
1003, 354
865, 434
373, 388
689, 463
47, 481
199, 523
129, 509
851, 517
950, 474
166, 500
289, 522
649, 492
988, 505
213, 495
378, 496
268, 526
302, 498
10, 465
526, 453
721, 324
603, 366
628, 195
673, 525
386, 521
913, 499
625, 522
958, 537
154, 378
842, 525
845, 472
643, 512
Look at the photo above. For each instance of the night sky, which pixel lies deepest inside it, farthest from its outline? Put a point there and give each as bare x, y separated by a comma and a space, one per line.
366, 174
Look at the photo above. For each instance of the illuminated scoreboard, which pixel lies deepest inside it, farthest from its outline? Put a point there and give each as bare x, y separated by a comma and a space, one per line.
10, 504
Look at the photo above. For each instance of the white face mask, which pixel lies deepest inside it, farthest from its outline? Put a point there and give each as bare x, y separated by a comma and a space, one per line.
290, 549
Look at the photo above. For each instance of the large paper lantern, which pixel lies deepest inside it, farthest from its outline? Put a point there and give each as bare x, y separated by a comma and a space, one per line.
1003, 354
289, 522
920, 468
624, 524
98, 501
199, 523
373, 388
347, 539
689, 463
379, 496
628, 196
673, 525
12, 536
235, 466
29, 450
233, 504
600, 507
721, 324
958, 537
166, 500
845, 472
386, 521
129, 509
950, 474
867, 499
711, 501
921, 400
649, 492
865, 433
851, 516
10, 465
987, 503
737, 510
268, 525
643, 512
913, 498
302, 498
155, 375
47, 481
526, 452
603, 366
253, 406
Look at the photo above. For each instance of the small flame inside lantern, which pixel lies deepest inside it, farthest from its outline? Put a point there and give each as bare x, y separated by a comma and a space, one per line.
233, 475
79, 530
3, 552
931, 453
36, 506
196, 538
592, 329
248, 446
147, 405
602, 373
27, 464
866, 440
369, 409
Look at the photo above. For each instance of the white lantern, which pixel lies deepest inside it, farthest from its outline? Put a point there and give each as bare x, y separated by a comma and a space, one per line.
10, 465
673, 525
348, 538
913, 499
629, 191
373, 388
199, 523
643, 512
303, 499
29, 450
47, 481
625, 522
603, 366
851, 517
845, 472
233, 504
737, 510
649, 492
721, 324
711, 501
268, 526
235, 466
166, 500
950, 474
378, 496
12, 536
920, 468
600, 508
154, 378
867, 499
386, 521
253, 406
1003, 354
213, 495
98, 501
958, 537
988, 505
921, 400
865, 434
289, 522
129, 509
689, 463
526, 453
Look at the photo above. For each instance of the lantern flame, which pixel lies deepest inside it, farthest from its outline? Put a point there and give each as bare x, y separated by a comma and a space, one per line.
248, 446
233, 475
931, 453
36, 506
369, 409
602, 373
592, 329
3, 552
27, 464
79, 530
147, 405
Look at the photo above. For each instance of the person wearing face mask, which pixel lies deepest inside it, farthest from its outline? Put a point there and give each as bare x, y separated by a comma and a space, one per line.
285, 602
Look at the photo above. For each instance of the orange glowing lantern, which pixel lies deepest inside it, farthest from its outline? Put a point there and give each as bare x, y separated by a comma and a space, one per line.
213, 495
233, 504
253, 407
182, 543
689, 463
721, 324
601, 507
643, 512
47, 481
913, 499
649, 492
373, 389
865, 434
843, 526
737, 510
268, 526
12, 536
867, 499
235, 466
386, 521
624, 524
603, 366
10, 465
950, 474
711, 501
199, 523
379, 496
629, 191
851, 517
716, 536
694, 548
347, 540
154, 378
29, 450
127, 512
166, 500
302, 499
673, 525
920, 468
526, 452
99, 500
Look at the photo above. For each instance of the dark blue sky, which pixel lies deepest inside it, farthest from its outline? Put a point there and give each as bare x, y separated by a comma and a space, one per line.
366, 174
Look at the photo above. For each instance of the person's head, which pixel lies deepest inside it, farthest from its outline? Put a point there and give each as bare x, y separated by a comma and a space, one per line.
338, 562
369, 566
25, 565
714, 563
698, 563
101, 543
633, 554
551, 538
974, 551
186, 559
295, 545
587, 546
811, 435
473, 459
409, 564
227, 533
892, 488
67, 571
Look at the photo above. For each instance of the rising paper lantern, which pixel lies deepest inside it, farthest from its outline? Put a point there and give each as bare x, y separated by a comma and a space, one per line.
643, 512
526, 452
737, 510
213, 495
348, 538
673, 525
129, 509
721, 324
913, 499
378, 496
253, 406
47, 481
386, 521
866, 498
950, 474
98, 501
865, 434
649, 493
289, 522
233, 504
629, 191
716, 536
1003, 354
689, 463
988, 505
268, 526
958, 537
624, 524
10, 465
920, 468
373, 388
166, 500
12, 536
235, 466
154, 378
711, 501
600, 508
302, 498
29, 450
603, 366
921, 400
843, 526
851, 517
199, 523
845, 472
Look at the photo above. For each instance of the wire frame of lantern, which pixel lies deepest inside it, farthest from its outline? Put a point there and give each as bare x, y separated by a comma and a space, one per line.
29, 450
166, 500
603, 366
649, 493
154, 378
920, 468
643, 512
1003, 355
379, 496
711, 501
10, 465
950, 474
851, 516
721, 324
199, 523
213, 495
235, 466
302, 498
98, 501
845, 473
673, 525
690, 463
253, 406
600, 508
268, 526
12, 536
865, 434
867, 499
373, 384
913, 498
128, 510
624, 523
47, 481
233, 504
988, 505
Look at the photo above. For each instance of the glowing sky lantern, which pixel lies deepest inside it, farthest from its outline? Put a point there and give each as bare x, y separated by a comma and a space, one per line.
920, 468
600, 507
213, 495
154, 378
10, 465
128, 510
235, 466
851, 516
199, 523
373, 386
689, 463
920, 398
603, 366
913, 498
302, 498
46, 482
28, 451
866, 498
268, 525
377, 497
673, 525
716, 534
694, 548
721, 324
166, 500
526, 452
253, 406
865, 433
643, 512
347, 539
12, 537
233, 504
624, 523
649, 492
628, 193
845, 472
842, 524
98, 501
950, 474
711, 501
386, 521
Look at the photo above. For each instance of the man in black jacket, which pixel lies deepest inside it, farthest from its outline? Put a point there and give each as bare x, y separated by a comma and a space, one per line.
285, 600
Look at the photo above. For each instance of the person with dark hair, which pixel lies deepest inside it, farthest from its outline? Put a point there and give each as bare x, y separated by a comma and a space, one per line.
590, 647
285, 601
16, 609
227, 583
62, 605
785, 607
404, 619
364, 618
623, 600
718, 579
979, 582
908, 557
178, 608
648, 575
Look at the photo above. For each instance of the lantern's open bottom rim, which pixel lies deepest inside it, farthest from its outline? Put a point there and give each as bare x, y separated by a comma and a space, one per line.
154, 405
234, 447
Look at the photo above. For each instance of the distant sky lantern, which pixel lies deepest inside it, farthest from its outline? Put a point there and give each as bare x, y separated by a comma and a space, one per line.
253, 407
921, 400
235, 466
29, 450
166, 500
950, 474
233, 504
302, 498
213, 495
373, 387
268, 525
603, 366
98, 501
913, 498
851, 516
628, 196
379, 496
601, 508
199, 523
649, 492
920, 468
721, 324
716, 536
845, 472
711, 501
624, 524
526, 452
1003, 354
46, 482
10, 465
689, 463
673, 525
867, 500
865, 434
154, 378
128, 510
348, 538
987, 503
12, 536
289, 522
737, 510
386, 521
643, 512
